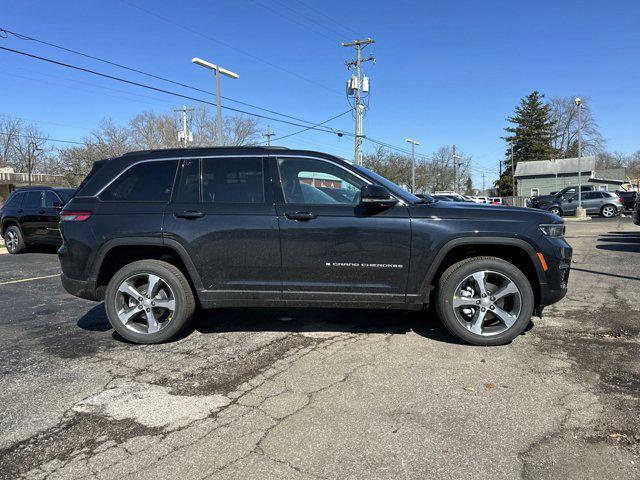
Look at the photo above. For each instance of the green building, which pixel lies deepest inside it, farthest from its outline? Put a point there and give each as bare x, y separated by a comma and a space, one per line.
547, 176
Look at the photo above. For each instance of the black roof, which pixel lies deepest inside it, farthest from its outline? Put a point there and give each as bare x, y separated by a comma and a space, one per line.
199, 151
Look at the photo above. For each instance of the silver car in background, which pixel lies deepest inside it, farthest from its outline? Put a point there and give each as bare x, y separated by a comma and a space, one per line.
607, 204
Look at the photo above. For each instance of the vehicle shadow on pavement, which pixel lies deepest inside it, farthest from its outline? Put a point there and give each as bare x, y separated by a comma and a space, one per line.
298, 320
619, 242
323, 321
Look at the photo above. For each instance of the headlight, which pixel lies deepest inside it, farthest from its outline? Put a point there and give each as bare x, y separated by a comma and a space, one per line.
553, 229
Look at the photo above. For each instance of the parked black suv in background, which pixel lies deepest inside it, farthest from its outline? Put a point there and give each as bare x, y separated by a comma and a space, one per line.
155, 233
30, 216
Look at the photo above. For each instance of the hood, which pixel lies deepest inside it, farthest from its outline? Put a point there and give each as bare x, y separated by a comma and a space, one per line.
541, 199
482, 212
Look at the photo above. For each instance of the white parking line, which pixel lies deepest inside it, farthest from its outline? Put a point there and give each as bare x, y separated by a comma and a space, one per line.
10, 282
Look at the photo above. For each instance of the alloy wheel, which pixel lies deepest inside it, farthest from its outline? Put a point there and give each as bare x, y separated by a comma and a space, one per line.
487, 303
12, 241
145, 303
608, 211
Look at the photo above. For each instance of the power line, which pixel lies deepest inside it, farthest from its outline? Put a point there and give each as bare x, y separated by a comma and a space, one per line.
292, 20
46, 139
22, 36
250, 55
156, 89
319, 12
316, 125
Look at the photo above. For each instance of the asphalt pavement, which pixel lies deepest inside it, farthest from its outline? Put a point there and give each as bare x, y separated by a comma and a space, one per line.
266, 393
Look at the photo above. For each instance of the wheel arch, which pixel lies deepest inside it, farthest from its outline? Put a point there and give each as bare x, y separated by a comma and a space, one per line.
119, 252
516, 251
9, 222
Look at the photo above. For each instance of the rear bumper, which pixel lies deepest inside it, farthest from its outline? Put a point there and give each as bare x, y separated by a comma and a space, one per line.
80, 288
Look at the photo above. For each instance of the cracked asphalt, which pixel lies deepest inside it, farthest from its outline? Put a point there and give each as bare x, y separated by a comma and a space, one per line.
305, 394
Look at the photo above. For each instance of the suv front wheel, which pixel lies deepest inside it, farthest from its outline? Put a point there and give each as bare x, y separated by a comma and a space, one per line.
484, 301
149, 301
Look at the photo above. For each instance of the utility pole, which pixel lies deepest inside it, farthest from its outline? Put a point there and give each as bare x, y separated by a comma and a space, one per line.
185, 135
482, 183
513, 175
456, 164
413, 163
356, 85
269, 134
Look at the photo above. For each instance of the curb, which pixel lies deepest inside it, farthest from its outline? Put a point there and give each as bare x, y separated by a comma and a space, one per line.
3, 251
577, 219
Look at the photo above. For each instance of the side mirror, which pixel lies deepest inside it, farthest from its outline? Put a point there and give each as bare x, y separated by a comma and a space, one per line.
376, 195
58, 205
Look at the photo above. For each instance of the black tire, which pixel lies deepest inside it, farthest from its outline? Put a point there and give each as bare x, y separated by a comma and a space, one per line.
457, 273
14, 241
608, 211
556, 211
171, 276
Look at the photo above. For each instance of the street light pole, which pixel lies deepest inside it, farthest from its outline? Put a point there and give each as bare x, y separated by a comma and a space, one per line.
413, 163
218, 70
32, 149
579, 105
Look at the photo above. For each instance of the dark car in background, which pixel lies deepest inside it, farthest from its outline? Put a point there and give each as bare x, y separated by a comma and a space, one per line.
30, 216
565, 193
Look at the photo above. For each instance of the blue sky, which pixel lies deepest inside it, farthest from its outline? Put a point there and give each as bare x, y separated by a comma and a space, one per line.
446, 72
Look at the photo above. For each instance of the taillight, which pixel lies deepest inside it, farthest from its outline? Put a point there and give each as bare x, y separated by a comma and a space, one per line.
619, 199
74, 216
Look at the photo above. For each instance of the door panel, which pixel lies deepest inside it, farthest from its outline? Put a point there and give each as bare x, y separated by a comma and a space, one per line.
235, 247
51, 217
339, 250
31, 216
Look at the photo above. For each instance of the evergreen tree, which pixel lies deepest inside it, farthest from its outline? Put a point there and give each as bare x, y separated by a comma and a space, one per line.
531, 135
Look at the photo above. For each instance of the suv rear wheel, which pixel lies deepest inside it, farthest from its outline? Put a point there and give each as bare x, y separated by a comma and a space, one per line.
484, 301
149, 301
608, 211
13, 240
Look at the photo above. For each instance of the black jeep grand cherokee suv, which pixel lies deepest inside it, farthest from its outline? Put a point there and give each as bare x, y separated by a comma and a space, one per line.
154, 233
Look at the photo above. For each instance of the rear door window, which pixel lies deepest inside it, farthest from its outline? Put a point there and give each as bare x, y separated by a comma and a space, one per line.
144, 182
33, 200
232, 180
188, 190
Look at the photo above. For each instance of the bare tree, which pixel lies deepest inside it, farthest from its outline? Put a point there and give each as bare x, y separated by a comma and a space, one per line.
10, 131
31, 151
564, 114
237, 130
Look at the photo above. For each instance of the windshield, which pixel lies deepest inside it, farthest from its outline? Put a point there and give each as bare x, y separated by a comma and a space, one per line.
395, 189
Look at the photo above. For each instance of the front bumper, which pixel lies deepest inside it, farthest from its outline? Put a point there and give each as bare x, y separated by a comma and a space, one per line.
558, 259
80, 288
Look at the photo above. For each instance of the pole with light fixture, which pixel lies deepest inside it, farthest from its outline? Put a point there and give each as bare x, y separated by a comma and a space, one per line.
413, 163
218, 70
579, 211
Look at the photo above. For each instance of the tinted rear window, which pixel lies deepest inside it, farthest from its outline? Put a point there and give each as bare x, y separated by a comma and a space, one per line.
33, 199
232, 180
143, 182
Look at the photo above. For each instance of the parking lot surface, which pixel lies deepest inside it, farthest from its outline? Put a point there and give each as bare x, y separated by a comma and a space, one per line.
304, 394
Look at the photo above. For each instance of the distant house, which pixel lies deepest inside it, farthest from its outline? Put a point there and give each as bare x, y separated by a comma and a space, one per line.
546, 176
10, 180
